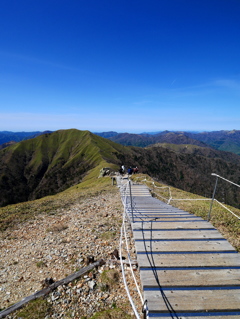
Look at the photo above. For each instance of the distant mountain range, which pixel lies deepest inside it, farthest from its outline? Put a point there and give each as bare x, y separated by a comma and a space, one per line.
52, 162
221, 140
7, 137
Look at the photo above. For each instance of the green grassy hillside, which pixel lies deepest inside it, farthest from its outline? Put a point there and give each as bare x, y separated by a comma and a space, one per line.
221, 140
51, 163
200, 151
189, 171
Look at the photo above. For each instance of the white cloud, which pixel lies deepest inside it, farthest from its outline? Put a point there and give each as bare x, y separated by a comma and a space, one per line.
228, 83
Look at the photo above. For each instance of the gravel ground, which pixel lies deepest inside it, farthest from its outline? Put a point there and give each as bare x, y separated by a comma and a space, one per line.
55, 246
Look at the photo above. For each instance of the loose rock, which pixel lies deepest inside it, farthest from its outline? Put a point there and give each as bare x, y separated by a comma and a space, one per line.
51, 247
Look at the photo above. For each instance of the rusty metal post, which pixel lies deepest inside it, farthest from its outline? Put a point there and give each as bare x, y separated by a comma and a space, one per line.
214, 191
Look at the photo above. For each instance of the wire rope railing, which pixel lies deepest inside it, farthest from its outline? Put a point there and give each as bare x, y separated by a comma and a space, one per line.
130, 211
215, 200
128, 204
170, 198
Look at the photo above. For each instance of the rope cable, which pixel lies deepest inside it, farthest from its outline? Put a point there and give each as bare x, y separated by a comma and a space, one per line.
123, 233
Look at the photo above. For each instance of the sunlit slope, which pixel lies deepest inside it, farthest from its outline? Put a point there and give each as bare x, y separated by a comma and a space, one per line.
196, 150
51, 163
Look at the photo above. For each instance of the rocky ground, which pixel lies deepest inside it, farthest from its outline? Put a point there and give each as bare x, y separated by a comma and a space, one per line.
55, 246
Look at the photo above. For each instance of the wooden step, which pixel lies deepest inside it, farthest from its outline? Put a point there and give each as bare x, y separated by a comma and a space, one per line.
176, 234
194, 315
193, 259
172, 225
187, 268
183, 246
183, 300
190, 277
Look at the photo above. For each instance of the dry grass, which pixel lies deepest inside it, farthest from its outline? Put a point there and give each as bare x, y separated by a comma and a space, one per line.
58, 227
36, 309
111, 314
109, 278
14, 214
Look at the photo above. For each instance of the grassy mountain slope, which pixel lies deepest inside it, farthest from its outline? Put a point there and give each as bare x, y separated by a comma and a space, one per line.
199, 150
51, 163
190, 172
143, 140
222, 140
6, 144
228, 141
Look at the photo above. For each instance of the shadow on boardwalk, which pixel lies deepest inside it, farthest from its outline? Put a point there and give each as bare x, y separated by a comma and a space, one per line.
187, 269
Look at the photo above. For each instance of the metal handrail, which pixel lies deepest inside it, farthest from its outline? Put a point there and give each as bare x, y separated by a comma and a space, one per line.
213, 174
214, 192
200, 199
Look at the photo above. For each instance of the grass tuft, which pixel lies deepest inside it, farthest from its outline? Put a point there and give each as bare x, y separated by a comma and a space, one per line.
111, 314
36, 309
109, 279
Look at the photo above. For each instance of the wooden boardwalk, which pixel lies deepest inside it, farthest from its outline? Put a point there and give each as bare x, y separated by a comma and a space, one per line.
187, 268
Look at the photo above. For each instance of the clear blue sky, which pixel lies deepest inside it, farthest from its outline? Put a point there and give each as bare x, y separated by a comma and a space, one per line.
127, 66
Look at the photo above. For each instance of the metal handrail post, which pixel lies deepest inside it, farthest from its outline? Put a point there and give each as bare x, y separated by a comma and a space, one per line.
213, 196
130, 192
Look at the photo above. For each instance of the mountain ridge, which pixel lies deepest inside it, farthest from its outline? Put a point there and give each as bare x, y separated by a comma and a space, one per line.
52, 162
221, 140
49, 163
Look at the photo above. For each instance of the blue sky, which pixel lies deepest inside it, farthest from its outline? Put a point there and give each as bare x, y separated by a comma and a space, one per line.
126, 66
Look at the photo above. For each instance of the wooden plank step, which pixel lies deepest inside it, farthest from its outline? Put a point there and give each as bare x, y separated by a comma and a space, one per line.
139, 194
177, 234
163, 211
184, 300
136, 193
157, 217
148, 204
168, 219
199, 315
183, 246
157, 209
231, 259
176, 225
197, 268
152, 203
161, 214
190, 277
